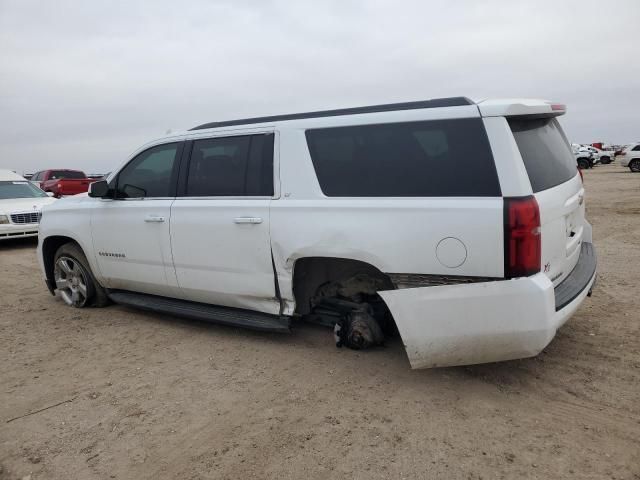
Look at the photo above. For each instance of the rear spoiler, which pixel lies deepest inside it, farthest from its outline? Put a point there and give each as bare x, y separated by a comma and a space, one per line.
521, 107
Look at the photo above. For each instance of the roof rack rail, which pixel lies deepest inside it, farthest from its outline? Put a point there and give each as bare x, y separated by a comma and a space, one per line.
389, 107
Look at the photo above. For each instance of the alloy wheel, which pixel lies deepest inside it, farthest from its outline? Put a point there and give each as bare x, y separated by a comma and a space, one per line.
71, 281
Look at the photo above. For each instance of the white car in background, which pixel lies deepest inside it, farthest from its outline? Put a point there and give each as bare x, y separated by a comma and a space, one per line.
630, 157
584, 157
595, 152
606, 156
20, 206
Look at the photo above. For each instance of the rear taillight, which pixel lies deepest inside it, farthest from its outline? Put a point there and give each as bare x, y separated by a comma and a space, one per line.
521, 237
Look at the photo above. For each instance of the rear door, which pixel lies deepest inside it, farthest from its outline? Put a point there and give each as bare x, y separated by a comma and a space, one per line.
558, 189
220, 222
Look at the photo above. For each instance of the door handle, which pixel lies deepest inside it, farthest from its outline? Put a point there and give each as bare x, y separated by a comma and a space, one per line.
252, 220
154, 219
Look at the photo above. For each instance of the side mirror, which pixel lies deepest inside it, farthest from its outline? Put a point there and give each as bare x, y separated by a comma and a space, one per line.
98, 189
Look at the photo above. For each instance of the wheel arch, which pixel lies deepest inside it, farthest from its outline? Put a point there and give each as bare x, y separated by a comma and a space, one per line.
50, 246
309, 273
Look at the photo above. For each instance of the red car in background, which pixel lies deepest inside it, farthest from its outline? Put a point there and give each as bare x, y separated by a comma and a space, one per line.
62, 182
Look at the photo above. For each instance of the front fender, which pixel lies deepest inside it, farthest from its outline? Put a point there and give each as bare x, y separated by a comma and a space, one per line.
70, 218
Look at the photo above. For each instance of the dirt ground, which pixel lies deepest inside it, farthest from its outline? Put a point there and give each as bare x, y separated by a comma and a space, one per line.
132, 395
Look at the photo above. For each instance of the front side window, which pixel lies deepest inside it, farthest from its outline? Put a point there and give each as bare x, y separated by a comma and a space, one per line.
149, 174
231, 166
437, 158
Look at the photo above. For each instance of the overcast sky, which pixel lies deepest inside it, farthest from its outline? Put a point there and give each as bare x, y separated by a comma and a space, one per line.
84, 83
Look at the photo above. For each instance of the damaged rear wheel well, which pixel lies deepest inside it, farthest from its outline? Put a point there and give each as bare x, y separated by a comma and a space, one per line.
343, 294
312, 274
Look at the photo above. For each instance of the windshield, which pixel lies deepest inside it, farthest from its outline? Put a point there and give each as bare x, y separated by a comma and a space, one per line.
19, 190
58, 174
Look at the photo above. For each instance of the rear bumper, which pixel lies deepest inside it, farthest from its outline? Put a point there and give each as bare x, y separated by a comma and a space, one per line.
489, 321
578, 279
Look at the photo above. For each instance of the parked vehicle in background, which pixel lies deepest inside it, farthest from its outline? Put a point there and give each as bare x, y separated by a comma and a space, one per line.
594, 151
62, 182
607, 154
597, 154
20, 206
263, 221
583, 157
618, 149
630, 157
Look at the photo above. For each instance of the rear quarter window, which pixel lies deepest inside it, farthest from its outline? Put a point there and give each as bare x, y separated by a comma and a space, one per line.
440, 158
545, 151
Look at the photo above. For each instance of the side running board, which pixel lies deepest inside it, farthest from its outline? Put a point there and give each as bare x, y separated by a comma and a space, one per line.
201, 311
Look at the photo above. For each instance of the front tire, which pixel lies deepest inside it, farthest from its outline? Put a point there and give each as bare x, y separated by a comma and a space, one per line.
634, 165
75, 284
583, 164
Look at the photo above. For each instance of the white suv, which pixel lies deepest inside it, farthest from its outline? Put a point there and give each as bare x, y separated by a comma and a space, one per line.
459, 224
630, 157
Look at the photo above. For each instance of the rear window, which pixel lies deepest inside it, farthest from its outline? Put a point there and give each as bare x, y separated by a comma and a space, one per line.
442, 158
545, 152
59, 174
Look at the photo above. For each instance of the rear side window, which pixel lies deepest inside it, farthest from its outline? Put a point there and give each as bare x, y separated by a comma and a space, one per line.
231, 166
545, 152
60, 174
636, 148
441, 158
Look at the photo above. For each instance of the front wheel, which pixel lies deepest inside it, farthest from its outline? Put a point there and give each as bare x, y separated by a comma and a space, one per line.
583, 164
634, 165
75, 283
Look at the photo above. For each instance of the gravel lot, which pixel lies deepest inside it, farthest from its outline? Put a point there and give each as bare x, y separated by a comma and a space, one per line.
136, 395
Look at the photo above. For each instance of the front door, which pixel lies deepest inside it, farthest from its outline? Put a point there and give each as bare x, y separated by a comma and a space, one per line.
131, 230
220, 223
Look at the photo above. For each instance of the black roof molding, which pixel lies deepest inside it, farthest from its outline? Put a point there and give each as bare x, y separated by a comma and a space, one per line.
389, 107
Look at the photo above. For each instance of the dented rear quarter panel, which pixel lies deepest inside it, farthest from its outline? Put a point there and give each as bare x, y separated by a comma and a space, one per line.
395, 235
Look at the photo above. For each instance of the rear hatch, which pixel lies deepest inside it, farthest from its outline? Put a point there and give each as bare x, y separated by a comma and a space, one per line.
558, 189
